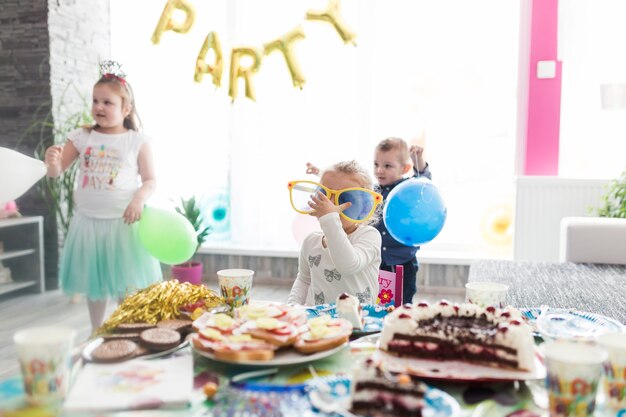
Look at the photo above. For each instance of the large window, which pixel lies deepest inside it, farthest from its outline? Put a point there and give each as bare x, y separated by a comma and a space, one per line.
439, 73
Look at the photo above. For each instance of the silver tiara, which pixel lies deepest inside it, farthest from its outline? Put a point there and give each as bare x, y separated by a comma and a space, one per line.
112, 68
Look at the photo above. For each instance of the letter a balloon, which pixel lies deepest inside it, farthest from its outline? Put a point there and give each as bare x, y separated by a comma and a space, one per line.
414, 212
18, 173
167, 235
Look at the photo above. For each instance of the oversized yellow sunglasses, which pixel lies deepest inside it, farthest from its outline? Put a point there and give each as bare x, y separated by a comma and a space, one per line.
363, 201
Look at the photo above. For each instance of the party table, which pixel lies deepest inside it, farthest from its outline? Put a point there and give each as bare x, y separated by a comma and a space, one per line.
286, 393
594, 288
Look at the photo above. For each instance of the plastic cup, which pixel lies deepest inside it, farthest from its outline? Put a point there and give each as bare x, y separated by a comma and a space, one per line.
573, 373
45, 354
486, 294
615, 369
235, 286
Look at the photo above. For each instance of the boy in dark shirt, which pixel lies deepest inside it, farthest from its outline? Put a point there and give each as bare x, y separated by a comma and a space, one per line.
392, 160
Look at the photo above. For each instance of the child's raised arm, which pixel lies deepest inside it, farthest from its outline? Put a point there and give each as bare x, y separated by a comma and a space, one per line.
58, 158
312, 169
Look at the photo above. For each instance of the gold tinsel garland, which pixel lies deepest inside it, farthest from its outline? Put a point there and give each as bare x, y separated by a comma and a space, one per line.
160, 301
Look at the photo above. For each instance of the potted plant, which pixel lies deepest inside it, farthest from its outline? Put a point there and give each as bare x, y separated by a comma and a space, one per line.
614, 200
191, 271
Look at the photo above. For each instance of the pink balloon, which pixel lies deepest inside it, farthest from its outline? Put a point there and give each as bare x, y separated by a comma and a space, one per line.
303, 225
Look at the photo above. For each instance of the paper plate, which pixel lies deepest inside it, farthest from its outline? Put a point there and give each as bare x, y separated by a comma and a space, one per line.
372, 314
558, 323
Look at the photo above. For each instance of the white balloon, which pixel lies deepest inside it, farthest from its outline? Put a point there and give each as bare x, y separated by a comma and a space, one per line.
18, 173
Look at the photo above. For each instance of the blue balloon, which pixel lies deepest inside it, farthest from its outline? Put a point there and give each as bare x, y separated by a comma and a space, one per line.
414, 212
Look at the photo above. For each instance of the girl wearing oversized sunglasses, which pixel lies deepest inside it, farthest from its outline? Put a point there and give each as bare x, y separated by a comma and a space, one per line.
345, 256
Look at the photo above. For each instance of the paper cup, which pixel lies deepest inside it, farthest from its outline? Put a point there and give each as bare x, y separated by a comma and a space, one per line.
486, 294
44, 354
573, 373
235, 286
615, 369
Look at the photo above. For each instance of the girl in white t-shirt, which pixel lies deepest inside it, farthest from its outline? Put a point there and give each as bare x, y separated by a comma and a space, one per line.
345, 256
102, 256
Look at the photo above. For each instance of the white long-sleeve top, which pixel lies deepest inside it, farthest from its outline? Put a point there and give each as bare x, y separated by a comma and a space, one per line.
349, 264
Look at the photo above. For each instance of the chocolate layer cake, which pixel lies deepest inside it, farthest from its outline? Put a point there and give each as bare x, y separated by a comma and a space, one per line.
466, 332
375, 392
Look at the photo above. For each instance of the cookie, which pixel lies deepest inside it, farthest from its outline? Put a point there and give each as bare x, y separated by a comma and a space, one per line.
114, 351
160, 339
133, 327
121, 336
181, 326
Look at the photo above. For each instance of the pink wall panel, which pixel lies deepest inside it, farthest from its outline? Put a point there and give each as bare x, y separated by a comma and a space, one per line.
544, 95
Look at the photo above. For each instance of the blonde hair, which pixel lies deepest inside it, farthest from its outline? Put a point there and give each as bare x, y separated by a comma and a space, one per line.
392, 143
354, 169
122, 87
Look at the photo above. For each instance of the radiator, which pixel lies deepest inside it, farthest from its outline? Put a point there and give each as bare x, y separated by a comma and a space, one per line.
541, 203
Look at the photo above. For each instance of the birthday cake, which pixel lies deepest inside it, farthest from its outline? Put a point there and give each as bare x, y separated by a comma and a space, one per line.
347, 307
377, 392
466, 332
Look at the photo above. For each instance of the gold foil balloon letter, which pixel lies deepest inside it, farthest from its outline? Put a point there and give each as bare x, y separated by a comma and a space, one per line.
284, 44
212, 41
166, 22
237, 71
332, 15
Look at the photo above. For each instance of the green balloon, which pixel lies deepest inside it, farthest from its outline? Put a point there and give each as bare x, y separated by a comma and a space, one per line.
167, 235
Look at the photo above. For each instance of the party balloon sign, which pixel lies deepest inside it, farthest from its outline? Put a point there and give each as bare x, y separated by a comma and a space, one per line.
167, 235
18, 173
283, 45
415, 212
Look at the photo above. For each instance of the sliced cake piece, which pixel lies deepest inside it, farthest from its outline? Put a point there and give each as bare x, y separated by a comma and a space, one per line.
377, 392
467, 332
348, 307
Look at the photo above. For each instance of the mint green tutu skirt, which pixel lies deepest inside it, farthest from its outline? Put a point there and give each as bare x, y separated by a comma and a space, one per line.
104, 258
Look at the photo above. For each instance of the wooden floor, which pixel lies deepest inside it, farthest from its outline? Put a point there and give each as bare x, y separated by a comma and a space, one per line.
54, 308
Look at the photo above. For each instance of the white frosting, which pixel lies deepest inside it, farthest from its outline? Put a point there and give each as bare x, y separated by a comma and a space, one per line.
508, 327
348, 308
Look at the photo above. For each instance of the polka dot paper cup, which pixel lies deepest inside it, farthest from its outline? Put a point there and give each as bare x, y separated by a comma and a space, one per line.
235, 286
486, 294
615, 369
44, 354
573, 374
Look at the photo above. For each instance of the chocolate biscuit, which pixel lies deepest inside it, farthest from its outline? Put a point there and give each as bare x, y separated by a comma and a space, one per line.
133, 327
160, 339
121, 336
114, 351
181, 326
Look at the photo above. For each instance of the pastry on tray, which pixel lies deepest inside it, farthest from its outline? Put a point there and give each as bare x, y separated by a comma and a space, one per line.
257, 331
323, 333
233, 348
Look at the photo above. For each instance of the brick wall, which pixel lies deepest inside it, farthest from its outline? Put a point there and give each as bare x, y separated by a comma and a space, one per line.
49, 51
